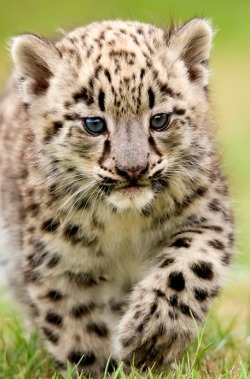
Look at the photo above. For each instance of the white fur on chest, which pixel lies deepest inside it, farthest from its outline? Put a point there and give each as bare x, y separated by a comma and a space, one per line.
123, 248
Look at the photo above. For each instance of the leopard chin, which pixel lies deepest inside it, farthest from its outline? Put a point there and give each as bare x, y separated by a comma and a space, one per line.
133, 197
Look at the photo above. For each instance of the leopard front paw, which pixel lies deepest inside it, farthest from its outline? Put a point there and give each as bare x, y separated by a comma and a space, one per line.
147, 337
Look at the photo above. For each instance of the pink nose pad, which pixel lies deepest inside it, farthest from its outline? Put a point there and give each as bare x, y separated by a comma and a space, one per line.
132, 173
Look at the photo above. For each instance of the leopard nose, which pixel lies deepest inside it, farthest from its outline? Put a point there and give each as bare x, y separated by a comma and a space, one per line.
132, 173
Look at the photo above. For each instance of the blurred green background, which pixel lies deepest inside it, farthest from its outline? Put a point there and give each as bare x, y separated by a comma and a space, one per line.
230, 64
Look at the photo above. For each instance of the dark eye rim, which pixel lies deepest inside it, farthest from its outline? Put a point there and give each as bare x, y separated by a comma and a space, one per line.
165, 126
98, 133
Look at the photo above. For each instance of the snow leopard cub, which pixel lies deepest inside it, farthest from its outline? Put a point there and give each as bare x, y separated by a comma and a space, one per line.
115, 217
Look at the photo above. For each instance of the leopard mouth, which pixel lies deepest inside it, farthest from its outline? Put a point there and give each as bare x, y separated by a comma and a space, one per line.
132, 186
132, 189
157, 183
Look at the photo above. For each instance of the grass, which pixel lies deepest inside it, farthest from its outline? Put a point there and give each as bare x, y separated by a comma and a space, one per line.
221, 349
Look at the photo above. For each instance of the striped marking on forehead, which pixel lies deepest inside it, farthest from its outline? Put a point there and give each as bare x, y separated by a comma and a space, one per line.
126, 88
151, 97
101, 101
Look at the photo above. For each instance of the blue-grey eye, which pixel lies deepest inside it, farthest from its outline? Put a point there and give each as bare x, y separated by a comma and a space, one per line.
94, 125
159, 121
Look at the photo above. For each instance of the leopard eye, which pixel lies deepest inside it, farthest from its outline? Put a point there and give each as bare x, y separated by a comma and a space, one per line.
94, 125
159, 121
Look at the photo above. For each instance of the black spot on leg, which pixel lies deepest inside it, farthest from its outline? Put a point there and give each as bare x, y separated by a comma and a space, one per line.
176, 281
140, 327
153, 308
54, 319
218, 245
200, 294
81, 279
187, 311
50, 336
173, 315
137, 315
203, 270
173, 301
86, 357
226, 259
167, 262
101, 101
126, 341
159, 293
161, 329
111, 366
180, 306
81, 310
54, 295
99, 329
182, 242
214, 205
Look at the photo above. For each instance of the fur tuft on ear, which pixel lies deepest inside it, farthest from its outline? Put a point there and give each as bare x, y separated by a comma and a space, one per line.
35, 60
192, 43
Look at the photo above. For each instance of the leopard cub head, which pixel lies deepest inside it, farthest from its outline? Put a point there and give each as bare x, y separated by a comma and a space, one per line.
119, 107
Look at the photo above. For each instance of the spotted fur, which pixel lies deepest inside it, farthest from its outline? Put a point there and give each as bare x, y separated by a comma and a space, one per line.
115, 243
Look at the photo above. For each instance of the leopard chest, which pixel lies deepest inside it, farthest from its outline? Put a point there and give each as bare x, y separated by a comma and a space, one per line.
115, 248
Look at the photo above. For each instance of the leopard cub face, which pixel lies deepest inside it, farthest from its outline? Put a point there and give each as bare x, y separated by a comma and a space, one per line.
119, 107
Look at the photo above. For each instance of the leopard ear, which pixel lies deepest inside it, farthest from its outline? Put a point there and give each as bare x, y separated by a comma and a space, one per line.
36, 61
192, 43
